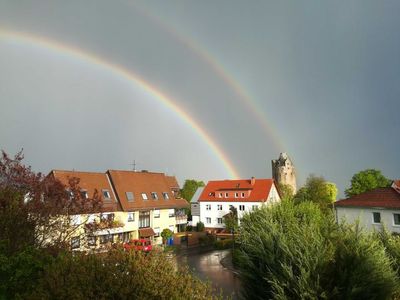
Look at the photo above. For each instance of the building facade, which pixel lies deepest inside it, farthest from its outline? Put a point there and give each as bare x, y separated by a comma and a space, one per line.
373, 209
245, 195
135, 204
283, 171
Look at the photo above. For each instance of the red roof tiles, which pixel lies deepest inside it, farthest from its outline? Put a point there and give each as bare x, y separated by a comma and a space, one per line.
256, 192
381, 197
144, 182
90, 181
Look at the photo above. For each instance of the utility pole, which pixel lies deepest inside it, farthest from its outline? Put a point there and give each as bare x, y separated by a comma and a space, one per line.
134, 165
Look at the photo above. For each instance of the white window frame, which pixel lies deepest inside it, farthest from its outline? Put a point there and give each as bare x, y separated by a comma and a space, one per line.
144, 196
208, 206
226, 195
156, 213
208, 220
131, 216
220, 221
154, 195
157, 231
108, 197
242, 206
75, 242
165, 196
243, 195
219, 206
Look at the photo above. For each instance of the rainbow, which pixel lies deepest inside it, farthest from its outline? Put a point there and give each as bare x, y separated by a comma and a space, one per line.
55, 46
247, 101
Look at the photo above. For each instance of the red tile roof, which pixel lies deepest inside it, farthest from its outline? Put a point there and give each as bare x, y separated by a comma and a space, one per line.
258, 192
381, 197
90, 181
143, 182
172, 182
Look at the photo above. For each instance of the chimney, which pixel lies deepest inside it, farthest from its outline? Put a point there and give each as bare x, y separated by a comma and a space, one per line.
253, 180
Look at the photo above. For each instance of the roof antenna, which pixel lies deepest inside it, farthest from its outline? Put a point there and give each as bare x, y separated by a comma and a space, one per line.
134, 165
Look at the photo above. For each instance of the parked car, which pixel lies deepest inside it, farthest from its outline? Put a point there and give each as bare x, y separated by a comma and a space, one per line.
138, 245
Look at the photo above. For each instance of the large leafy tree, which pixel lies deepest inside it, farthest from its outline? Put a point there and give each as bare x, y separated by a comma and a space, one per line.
294, 251
317, 190
365, 181
189, 188
285, 191
231, 220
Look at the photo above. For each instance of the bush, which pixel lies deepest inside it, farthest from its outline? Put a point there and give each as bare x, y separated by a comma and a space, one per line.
223, 244
292, 251
206, 240
118, 275
200, 227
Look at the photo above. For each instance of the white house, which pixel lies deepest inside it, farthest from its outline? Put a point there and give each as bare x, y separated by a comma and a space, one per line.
245, 195
373, 209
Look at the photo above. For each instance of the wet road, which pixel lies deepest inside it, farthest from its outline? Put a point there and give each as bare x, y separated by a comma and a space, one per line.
207, 266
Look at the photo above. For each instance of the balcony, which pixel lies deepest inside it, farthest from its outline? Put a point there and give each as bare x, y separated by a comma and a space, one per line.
181, 219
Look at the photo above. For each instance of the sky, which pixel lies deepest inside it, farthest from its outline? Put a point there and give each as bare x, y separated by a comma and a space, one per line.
202, 89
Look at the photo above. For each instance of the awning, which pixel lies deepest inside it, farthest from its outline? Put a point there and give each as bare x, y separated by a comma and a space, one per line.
146, 232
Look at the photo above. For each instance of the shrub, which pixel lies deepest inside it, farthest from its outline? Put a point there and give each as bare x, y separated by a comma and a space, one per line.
297, 252
200, 227
223, 244
118, 275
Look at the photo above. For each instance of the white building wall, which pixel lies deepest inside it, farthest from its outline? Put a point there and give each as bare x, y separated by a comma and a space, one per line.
214, 213
365, 216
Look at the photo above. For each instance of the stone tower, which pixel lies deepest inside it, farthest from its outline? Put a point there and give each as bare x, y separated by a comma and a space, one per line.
283, 171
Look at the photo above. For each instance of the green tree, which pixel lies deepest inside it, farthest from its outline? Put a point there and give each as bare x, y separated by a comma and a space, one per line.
285, 191
317, 190
365, 181
295, 251
231, 220
189, 188
200, 226
166, 234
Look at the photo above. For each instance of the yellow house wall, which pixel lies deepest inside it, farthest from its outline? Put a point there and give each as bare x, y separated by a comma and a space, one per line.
164, 221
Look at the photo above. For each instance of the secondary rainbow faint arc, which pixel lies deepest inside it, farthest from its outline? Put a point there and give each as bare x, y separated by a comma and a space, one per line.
127, 74
218, 68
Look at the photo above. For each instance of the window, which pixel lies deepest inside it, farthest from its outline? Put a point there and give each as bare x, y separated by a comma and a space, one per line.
165, 196
219, 207
208, 220
91, 240
156, 231
106, 238
254, 207
396, 219
75, 220
144, 196
131, 216
219, 220
220, 195
144, 219
156, 213
226, 195
172, 228
242, 195
107, 217
129, 196
171, 212
236, 195
75, 242
376, 217
84, 194
241, 207
208, 206
106, 195
154, 196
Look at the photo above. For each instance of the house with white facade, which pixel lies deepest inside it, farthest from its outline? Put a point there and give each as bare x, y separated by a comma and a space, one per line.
373, 209
244, 194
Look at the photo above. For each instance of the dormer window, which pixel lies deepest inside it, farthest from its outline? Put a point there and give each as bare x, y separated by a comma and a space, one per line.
236, 195
165, 196
84, 194
220, 195
106, 195
144, 196
226, 195
129, 196
154, 196
242, 195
